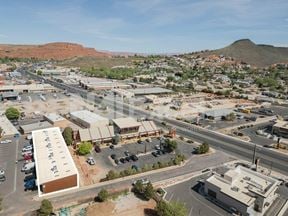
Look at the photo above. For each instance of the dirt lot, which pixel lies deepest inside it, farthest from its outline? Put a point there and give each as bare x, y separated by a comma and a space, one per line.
123, 206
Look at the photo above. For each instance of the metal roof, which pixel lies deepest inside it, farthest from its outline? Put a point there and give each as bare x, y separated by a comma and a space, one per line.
146, 91
126, 122
7, 127
88, 116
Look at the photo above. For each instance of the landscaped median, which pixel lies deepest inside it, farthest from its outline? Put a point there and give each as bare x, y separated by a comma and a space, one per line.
177, 160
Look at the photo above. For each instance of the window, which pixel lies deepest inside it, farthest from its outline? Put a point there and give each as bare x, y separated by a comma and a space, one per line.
212, 193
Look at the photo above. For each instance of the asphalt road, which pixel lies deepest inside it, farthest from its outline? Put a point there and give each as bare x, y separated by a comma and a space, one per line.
228, 144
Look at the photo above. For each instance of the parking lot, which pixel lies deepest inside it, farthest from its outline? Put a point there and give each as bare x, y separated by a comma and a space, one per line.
13, 187
105, 163
196, 204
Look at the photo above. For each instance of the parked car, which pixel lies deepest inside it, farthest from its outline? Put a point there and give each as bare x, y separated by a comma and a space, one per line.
30, 185
2, 172
140, 142
30, 171
27, 153
5, 141
122, 160
127, 159
90, 161
28, 166
97, 149
144, 181
157, 147
134, 157
149, 140
116, 161
111, 146
28, 157
27, 148
127, 153
29, 177
154, 153
2, 178
113, 156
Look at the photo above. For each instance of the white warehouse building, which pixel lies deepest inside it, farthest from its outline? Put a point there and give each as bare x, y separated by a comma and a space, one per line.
88, 119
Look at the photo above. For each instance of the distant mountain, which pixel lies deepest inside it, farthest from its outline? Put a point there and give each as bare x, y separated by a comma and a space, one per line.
57, 51
256, 55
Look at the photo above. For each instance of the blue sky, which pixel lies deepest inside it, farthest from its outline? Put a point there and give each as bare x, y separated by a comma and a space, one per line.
149, 26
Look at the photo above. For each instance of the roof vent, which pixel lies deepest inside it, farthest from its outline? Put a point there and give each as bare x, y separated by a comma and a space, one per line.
236, 189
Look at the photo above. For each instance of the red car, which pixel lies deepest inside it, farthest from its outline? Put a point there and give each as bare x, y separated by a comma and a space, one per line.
28, 157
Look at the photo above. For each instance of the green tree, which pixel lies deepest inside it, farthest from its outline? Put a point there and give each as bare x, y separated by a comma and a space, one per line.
149, 191
68, 135
138, 187
171, 209
112, 175
203, 148
170, 145
39, 73
46, 208
12, 113
84, 148
103, 195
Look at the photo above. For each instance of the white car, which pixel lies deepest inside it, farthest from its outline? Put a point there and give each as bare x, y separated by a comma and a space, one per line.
5, 141
143, 181
90, 161
27, 148
2, 172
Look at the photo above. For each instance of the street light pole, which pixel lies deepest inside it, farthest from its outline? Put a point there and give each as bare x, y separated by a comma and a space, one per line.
254, 154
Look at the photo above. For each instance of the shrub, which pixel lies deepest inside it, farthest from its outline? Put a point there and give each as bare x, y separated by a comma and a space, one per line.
84, 148
103, 195
12, 113
170, 209
67, 135
202, 149
46, 208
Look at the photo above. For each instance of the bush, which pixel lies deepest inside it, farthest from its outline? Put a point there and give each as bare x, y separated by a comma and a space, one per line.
12, 113
202, 149
103, 195
46, 208
67, 135
170, 209
145, 191
84, 148
170, 145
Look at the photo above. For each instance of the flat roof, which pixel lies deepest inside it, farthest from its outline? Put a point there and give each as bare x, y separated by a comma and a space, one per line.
35, 126
53, 117
242, 184
281, 124
126, 122
7, 127
152, 90
218, 112
52, 157
87, 116
9, 94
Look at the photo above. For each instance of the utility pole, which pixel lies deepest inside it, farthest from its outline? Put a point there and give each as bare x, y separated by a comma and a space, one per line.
254, 154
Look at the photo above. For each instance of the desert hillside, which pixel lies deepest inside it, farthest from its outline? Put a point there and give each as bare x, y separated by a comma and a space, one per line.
257, 55
57, 51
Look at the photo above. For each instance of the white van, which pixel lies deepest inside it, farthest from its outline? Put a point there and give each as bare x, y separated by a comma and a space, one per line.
28, 166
